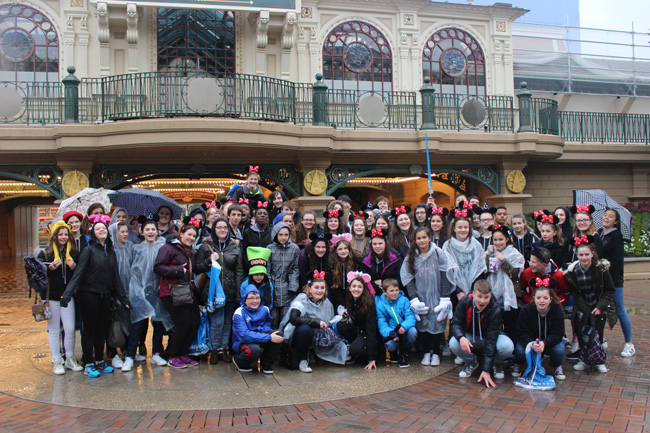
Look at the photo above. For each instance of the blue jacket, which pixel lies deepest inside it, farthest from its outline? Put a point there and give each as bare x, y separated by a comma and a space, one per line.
386, 319
250, 325
267, 295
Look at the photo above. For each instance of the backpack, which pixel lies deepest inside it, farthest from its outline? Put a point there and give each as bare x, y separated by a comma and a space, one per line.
592, 352
36, 272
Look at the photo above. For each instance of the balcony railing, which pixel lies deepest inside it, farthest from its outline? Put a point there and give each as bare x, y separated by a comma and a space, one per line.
587, 127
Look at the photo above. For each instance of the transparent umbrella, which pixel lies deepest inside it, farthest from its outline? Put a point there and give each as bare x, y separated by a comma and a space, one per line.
82, 200
602, 202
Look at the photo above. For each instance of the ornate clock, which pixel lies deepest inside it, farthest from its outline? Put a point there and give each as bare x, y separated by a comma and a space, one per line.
16, 44
73, 182
454, 62
315, 182
516, 181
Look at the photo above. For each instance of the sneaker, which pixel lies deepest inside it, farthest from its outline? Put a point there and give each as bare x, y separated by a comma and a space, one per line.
559, 373
139, 358
117, 362
57, 366
459, 361
176, 363
468, 370
516, 370
189, 361
573, 356
247, 369
267, 370
103, 367
435, 360
158, 360
628, 350
580, 366
91, 371
404, 360
445, 350
601, 368
394, 358
72, 364
604, 345
574, 346
142, 350
498, 371
426, 359
304, 367
127, 365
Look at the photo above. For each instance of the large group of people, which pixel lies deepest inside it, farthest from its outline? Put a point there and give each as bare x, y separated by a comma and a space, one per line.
353, 287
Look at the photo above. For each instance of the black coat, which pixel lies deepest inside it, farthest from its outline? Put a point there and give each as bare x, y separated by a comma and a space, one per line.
232, 271
613, 250
559, 254
366, 325
57, 279
548, 328
389, 268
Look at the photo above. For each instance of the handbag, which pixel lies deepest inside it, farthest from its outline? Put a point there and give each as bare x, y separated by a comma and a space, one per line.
182, 292
41, 310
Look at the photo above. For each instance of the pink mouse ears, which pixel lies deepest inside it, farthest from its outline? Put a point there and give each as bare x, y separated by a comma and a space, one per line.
365, 277
341, 237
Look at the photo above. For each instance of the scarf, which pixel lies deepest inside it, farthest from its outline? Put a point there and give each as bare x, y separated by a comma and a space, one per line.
502, 288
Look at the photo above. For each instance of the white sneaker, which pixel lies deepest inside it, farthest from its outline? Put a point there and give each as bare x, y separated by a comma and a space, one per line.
58, 366
158, 360
140, 358
580, 366
127, 365
426, 359
117, 362
304, 366
574, 346
601, 368
628, 350
459, 361
435, 360
72, 364
604, 345
445, 350
468, 370
559, 373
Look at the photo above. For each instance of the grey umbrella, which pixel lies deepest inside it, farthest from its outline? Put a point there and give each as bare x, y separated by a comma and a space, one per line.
139, 201
601, 202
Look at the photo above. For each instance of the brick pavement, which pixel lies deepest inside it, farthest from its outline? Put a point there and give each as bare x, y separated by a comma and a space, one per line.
614, 402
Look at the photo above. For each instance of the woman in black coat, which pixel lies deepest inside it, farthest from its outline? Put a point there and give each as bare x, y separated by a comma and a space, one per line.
381, 263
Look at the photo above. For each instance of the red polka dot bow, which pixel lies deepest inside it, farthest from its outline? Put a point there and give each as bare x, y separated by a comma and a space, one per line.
94, 219
538, 213
195, 223
548, 219
467, 205
400, 210
437, 210
376, 232
581, 240
359, 215
209, 204
243, 200
262, 204
320, 275
460, 213
497, 227
539, 282
231, 200
584, 208
254, 169
333, 214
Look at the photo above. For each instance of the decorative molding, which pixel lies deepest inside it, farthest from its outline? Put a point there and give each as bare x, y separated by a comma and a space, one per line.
131, 24
288, 31
262, 26
103, 31
306, 12
409, 20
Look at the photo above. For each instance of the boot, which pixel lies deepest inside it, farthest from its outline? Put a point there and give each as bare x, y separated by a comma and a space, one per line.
214, 357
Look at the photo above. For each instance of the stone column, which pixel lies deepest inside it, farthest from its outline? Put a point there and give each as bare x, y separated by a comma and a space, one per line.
307, 201
82, 166
514, 202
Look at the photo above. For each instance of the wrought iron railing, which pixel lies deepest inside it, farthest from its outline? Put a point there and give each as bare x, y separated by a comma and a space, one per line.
584, 127
31, 103
544, 116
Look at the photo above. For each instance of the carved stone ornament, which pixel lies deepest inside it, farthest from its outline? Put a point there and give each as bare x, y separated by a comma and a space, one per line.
76, 3
305, 12
131, 23
288, 31
262, 28
103, 31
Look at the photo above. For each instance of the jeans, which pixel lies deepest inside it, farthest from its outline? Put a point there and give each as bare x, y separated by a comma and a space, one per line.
65, 316
622, 314
301, 341
136, 339
221, 325
504, 349
555, 353
405, 342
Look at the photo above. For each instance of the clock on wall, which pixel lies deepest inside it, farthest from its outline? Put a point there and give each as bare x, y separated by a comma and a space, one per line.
516, 181
73, 182
453, 62
16, 44
315, 182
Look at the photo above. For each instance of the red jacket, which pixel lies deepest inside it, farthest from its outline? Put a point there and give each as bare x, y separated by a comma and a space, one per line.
562, 289
169, 265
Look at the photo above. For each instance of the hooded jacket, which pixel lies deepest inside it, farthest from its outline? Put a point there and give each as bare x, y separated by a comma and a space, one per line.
484, 324
250, 325
169, 265
533, 326
391, 315
253, 237
559, 254
389, 268
133, 236
305, 271
124, 252
58, 278
283, 268
97, 272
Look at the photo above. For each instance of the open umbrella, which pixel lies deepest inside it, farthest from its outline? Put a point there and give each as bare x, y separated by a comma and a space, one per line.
601, 202
82, 200
139, 201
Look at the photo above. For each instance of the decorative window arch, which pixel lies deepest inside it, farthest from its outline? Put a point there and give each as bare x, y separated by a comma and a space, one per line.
196, 40
356, 56
455, 62
29, 45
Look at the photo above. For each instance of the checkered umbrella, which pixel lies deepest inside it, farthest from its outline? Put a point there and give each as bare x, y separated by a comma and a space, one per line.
139, 201
82, 200
602, 202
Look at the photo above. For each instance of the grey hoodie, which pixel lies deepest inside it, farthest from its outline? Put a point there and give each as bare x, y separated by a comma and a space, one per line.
283, 268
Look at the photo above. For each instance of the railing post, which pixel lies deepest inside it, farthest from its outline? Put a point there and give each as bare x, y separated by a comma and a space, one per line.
71, 97
319, 101
428, 105
525, 112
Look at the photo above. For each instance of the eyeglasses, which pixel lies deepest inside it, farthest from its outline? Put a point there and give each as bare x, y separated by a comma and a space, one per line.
486, 220
252, 298
221, 228
583, 221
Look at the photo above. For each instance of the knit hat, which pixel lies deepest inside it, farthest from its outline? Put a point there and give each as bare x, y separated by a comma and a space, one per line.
69, 244
258, 259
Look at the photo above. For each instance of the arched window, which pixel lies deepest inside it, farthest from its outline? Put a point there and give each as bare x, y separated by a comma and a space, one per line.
356, 56
454, 61
196, 40
29, 45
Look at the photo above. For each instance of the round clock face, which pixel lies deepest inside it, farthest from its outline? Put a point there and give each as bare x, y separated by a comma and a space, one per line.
315, 182
16, 44
357, 57
453, 62
516, 181
73, 182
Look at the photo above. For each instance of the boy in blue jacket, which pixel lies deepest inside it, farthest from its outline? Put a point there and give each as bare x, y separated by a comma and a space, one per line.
396, 321
252, 336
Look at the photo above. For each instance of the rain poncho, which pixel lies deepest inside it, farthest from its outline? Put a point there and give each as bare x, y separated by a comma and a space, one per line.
466, 262
428, 283
502, 288
145, 285
323, 311
535, 376
133, 236
124, 253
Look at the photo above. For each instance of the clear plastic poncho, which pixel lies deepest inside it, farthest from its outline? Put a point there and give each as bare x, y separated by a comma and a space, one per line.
428, 285
124, 253
467, 262
502, 287
145, 285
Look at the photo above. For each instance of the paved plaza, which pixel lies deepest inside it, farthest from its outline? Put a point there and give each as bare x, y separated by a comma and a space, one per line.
332, 399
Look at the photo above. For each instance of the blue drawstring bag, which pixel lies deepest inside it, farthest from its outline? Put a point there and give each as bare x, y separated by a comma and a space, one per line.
216, 295
535, 376
201, 343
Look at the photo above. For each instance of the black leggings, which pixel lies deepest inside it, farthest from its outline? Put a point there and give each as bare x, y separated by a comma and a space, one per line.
95, 310
186, 320
430, 342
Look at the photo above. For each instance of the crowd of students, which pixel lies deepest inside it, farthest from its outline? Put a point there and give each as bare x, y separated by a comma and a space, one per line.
359, 285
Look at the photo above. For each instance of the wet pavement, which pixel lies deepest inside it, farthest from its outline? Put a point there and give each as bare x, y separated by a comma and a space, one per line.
332, 398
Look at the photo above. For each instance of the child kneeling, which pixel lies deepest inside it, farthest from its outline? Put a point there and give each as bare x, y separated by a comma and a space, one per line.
252, 336
396, 321
477, 325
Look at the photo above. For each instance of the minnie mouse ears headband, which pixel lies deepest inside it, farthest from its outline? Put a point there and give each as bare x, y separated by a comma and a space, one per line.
465, 210
104, 219
355, 215
499, 228
551, 283
208, 204
334, 213
318, 275
252, 169
320, 236
550, 219
375, 233
439, 211
352, 275
487, 209
400, 210
541, 212
342, 237
151, 217
587, 208
582, 240
192, 222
